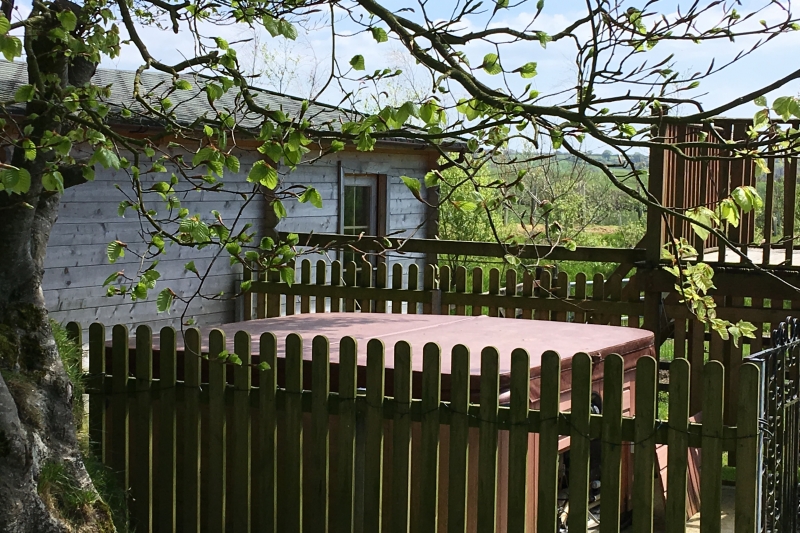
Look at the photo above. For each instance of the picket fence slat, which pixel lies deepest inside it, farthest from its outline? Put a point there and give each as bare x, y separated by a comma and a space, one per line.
459, 441
550, 399
217, 439
477, 288
645, 442
142, 438
119, 405
429, 460
579, 443
494, 288
397, 285
747, 448
320, 390
350, 280
401, 444
365, 281
336, 281
611, 445
518, 441
711, 455
191, 431
678, 442
321, 272
381, 282
292, 508
348, 355
305, 279
413, 285
242, 382
373, 452
487, 441
167, 441
97, 403
428, 286
267, 461
461, 284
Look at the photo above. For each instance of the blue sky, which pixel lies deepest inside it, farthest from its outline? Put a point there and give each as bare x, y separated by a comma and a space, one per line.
556, 69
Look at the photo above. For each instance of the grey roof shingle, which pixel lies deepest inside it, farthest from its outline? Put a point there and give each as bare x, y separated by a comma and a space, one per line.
189, 106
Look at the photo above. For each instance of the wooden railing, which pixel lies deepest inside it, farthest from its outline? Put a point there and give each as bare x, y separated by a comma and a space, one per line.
252, 450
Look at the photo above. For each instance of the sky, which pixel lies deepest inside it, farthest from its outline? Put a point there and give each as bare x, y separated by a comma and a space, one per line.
556, 69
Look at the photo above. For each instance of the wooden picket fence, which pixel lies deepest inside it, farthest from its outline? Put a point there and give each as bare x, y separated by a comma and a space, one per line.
365, 288
228, 452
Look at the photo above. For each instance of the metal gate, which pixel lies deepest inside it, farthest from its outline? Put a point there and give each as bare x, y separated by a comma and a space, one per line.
780, 481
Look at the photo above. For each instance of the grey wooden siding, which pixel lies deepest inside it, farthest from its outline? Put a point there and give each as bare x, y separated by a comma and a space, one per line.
76, 263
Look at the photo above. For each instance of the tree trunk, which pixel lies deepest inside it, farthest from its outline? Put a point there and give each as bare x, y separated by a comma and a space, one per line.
37, 429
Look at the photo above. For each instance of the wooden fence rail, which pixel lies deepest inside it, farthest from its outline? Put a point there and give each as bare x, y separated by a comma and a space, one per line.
251, 450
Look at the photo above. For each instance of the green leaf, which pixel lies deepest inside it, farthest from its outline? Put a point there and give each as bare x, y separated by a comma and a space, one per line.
413, 185
232, 162
491, 64
114, 251
337, 146
786, 106
191, 268
379, 34
183, 85
287, 275
742, 199
760, 101
358, 62
280, 211
263, 366
24, 93
112, 278
105, 157
311, 195
431, 179
5, 25
263, 174
53, 181
68, 20
164, 301
528, 70
10, 47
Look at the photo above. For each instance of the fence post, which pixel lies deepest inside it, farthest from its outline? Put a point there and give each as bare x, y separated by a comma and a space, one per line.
711, 454
142, 474
644, 449
348, 355
580, 449
266, 460
678, 442
191, 447
518, 439
166, 442
293, 459
401, 431
217, 449
611, 447
373, 453
429, 462
549, 400
242, 381
747, 448
487, 443
320, 389
459, 440
119, 404
97, 391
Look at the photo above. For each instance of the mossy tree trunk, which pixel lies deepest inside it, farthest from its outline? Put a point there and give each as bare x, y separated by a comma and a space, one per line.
37, 428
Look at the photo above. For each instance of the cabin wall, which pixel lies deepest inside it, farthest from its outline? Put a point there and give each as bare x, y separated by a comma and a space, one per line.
76, 264
407, 216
